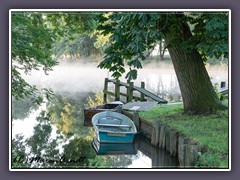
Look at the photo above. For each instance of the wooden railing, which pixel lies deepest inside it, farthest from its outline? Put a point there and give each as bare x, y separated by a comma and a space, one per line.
130, 88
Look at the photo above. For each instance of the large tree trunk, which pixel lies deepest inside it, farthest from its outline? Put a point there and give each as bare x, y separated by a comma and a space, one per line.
196, 88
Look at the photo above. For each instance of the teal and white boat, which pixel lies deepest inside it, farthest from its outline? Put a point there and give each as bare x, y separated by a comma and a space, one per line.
113, 127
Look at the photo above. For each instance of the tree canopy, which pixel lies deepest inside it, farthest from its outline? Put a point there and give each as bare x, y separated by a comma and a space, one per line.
132, 34
31, 49
36, 36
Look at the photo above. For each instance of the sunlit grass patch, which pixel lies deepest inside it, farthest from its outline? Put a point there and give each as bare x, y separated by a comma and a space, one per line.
209, 131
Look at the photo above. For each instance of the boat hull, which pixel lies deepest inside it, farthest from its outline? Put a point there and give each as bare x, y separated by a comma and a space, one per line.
111, 137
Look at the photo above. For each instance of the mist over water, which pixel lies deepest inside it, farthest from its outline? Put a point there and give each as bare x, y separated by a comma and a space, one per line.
70, 77
86, 77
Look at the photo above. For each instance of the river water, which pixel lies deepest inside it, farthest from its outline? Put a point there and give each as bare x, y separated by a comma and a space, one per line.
53, 136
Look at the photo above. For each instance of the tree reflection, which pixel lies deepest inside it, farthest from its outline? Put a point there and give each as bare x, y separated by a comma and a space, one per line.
19, 152
66, 114
77, 153
59, 140
42, 132
22, 108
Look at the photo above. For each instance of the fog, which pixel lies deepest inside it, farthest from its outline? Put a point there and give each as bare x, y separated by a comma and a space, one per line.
69, 77
86, 77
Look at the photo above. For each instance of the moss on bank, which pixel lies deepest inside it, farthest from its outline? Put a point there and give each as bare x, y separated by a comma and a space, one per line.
209, 131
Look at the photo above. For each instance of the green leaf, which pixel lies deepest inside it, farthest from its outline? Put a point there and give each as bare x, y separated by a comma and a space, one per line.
135, 63
131, 75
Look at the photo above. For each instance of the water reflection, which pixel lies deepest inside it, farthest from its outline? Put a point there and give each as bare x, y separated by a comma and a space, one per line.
56, 138
113, 148
53, 135
22, 108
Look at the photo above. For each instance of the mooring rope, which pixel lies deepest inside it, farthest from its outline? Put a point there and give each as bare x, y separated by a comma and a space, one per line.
157, 123
143, 130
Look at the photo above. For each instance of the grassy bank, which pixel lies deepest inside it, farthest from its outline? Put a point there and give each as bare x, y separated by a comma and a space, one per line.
209, 131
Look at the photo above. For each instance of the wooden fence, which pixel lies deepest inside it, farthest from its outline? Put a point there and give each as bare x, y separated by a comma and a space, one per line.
130, 88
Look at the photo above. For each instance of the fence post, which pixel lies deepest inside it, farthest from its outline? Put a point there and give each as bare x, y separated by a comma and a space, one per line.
136, 120
117, 90
105, 90
142, 95
128, 91
130, 95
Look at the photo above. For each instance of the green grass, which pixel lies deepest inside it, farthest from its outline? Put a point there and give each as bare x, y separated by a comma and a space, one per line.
209, 131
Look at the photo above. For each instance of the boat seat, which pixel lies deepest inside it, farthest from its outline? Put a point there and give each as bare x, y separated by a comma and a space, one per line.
114, 125
106, 121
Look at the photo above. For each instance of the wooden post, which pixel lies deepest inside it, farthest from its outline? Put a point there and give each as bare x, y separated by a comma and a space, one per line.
156, 133
167, 136
191, 155
173, 143
136, 120
162, 138
119, 109
130, 91
117, 90
182, 144
223, 84
105, 90
142, 97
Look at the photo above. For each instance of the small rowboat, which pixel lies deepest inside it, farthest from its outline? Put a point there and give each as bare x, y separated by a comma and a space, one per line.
113, 127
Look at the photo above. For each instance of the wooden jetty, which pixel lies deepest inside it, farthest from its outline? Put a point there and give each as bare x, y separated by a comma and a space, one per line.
130, 88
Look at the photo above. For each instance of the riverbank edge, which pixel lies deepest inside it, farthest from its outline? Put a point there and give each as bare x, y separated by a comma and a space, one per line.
164, 136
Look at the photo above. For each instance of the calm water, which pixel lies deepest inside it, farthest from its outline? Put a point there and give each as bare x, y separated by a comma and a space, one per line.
53, 136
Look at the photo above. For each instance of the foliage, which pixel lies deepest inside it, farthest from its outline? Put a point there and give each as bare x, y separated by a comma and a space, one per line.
98, 99
209, 131
31, 49
132, 34
220, 61
211, 34
71, 23
101, 42
74, 45
80, 36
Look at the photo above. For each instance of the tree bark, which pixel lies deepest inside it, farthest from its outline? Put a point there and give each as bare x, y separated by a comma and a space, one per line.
196, 88
162, 49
